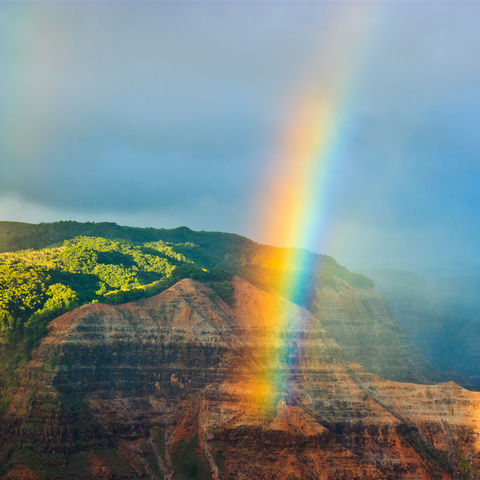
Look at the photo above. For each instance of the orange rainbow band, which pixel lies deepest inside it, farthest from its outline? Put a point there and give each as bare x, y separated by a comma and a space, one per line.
297, 191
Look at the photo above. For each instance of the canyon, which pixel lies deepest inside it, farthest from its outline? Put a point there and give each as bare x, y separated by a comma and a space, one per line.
165, 387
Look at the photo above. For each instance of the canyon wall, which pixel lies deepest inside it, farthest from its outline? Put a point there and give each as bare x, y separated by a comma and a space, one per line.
166, 387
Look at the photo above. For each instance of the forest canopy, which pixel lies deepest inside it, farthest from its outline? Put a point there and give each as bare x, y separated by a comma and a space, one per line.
122, 264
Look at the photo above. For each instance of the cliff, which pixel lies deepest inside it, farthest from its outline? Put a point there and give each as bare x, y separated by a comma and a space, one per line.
360, 320
165, 388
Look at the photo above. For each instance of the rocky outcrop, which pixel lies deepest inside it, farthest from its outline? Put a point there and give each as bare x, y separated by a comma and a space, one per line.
167, 387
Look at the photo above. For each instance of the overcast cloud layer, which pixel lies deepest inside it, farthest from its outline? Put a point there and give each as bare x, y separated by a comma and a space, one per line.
157, 114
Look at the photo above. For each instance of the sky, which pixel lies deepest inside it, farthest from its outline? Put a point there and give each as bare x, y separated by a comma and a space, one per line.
173, 113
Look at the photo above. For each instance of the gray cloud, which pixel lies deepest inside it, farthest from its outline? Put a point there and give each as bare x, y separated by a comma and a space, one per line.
167, 114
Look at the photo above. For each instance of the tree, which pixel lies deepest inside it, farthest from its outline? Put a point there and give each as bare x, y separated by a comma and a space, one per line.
22, 292
61, 298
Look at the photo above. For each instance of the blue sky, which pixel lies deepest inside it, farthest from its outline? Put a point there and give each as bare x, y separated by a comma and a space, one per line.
166, 114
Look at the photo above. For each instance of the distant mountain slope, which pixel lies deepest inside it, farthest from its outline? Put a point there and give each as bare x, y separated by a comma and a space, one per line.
440, 314
465, 354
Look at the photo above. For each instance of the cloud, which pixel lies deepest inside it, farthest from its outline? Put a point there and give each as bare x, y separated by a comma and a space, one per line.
167, 114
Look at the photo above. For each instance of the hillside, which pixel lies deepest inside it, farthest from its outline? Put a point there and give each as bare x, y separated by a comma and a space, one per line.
165, 388
131, 263
162, 387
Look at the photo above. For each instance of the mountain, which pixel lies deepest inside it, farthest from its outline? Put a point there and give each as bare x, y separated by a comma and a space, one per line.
167, 385
127, 263
165, 388
441, 315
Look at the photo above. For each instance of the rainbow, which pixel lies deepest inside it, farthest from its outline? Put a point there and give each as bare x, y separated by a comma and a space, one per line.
295, 199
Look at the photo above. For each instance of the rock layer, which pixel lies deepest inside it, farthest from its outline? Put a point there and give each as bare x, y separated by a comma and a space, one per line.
163, 388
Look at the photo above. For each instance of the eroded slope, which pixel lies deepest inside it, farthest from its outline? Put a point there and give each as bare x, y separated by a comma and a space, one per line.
164, 388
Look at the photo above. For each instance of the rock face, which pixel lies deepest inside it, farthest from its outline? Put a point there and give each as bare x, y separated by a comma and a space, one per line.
165, 388
363, 325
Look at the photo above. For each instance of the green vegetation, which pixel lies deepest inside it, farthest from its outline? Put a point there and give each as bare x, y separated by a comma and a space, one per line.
435, 457
151, 460
159, 441
465, 469
38, 285
23, 291
187, 461
66, 264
